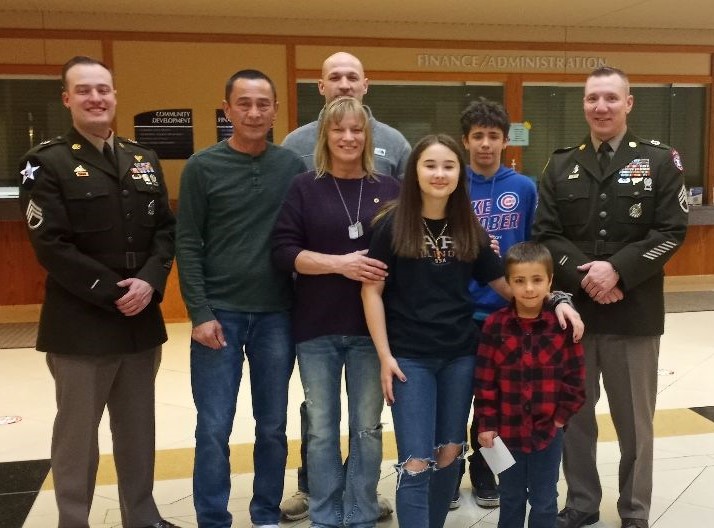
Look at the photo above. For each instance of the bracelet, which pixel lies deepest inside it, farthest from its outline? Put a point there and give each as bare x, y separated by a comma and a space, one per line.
557, 297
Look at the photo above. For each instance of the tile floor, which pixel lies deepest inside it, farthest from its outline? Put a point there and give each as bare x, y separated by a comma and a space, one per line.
683, 493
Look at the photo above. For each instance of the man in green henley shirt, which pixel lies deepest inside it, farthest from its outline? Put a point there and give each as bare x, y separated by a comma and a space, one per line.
238, 302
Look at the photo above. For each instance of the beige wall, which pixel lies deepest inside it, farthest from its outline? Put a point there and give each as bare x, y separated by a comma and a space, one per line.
162, 75
188, 71
45, 51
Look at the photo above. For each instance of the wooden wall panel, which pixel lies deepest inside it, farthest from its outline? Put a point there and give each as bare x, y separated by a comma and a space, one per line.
22, 277
696, 256
172, 307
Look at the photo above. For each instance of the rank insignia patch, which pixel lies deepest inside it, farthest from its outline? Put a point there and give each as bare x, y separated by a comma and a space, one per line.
683, 204
34, 215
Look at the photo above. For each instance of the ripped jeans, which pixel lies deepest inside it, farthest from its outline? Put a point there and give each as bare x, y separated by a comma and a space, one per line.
430, 410
339, 496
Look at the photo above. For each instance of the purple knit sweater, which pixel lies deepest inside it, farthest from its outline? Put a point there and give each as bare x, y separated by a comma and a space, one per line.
314, 218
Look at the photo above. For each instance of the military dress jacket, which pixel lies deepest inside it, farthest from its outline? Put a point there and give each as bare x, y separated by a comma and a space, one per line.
91, 225
634, 216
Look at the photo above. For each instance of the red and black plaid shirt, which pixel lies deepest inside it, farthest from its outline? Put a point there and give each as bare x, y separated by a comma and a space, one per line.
529, 373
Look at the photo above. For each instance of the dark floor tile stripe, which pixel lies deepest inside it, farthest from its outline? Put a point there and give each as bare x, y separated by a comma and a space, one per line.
706, 412
20, 483
14, 508
22, 476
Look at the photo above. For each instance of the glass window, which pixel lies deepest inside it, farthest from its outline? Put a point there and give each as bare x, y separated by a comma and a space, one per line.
672, 114
415, 109
31, 111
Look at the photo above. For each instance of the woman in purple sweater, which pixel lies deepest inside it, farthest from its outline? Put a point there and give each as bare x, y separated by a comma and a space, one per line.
322, 233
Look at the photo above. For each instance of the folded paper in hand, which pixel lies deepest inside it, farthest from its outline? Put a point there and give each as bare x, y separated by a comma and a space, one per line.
498, 457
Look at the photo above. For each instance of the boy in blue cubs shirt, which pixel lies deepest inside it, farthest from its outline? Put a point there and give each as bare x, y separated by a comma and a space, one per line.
504, 202
529, 381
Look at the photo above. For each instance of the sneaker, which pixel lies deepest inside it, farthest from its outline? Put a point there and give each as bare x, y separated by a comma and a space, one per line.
483, 482
296, 507
635, 523
455, 501
385, 508
487, 498
486, 492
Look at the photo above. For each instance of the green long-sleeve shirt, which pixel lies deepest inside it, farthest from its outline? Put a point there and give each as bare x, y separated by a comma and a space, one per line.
228, 203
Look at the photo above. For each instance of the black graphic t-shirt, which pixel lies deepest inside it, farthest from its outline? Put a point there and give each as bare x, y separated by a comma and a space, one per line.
426, 300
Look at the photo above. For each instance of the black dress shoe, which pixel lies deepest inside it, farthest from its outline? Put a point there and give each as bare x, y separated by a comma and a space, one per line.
163, 523
572, 518
635, 523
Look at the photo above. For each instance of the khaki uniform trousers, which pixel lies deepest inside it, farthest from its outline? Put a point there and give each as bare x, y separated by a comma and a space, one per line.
84, 385
628, 365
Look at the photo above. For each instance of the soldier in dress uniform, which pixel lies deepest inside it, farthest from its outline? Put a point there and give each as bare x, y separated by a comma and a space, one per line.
99, 221
612, 211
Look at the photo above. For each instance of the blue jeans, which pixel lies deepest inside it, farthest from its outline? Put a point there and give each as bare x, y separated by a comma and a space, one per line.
534, 478
430, 410
340, 497
215, 379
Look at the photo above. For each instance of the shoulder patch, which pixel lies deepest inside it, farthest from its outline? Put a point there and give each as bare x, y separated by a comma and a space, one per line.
29, 173
30, 168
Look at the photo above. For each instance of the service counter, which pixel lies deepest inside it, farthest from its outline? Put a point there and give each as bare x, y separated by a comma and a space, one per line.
696, 256
22, 278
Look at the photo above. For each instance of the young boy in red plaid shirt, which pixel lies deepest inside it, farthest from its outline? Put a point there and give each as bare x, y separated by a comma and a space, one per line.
529, 381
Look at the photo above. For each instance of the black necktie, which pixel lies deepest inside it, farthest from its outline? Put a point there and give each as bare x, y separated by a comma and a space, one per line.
603, 154
109, 155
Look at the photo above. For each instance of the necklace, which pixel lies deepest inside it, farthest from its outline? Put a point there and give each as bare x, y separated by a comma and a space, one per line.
354, 229
439, 255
